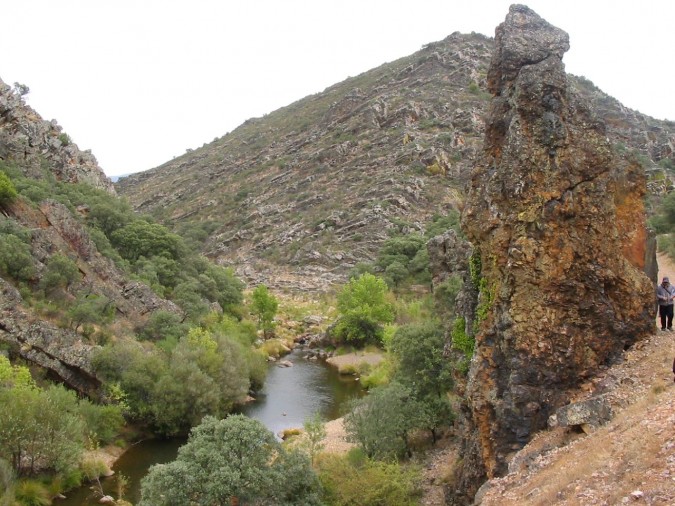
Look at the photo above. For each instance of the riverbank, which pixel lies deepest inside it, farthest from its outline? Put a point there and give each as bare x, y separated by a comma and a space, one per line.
351, 363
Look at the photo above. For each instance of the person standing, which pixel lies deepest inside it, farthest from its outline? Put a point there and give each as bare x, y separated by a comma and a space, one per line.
664, 294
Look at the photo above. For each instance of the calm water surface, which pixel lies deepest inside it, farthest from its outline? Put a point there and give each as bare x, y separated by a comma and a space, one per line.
291, 395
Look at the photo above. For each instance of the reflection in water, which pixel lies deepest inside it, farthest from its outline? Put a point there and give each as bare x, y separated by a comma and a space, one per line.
291, 395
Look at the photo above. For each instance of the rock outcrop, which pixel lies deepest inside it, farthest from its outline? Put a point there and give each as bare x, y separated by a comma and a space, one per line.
39, 145
61, 352
559, 224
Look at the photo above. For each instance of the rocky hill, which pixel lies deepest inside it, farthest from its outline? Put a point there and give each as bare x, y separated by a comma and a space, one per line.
43, 156
299, 196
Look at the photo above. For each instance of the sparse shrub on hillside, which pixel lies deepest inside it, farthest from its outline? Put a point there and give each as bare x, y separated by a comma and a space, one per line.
90, 309
60, 273
163, 325
16, 260
7, 190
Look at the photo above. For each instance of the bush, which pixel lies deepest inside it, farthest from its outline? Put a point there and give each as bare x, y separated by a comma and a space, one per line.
236, 459
32, 493
353, 479
422, 367
7, 190
16, 259
60, 273
381, 421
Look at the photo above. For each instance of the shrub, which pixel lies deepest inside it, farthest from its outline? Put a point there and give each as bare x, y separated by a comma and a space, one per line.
60, 273
236, 459
422, 367
7, 190
16, 260
353, 479
32, 493
381, 421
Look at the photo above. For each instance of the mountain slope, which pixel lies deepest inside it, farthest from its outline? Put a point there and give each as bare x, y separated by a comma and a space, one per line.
299, 196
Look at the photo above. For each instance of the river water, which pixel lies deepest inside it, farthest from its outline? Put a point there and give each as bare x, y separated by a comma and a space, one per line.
290, 396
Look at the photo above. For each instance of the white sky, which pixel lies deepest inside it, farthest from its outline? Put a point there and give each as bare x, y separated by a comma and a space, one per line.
139, 81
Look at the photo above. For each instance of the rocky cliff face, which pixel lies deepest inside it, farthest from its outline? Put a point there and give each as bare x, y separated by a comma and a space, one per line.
558, 222
296, 198
38, 145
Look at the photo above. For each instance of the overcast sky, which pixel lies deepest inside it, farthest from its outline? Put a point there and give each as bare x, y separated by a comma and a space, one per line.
140, 81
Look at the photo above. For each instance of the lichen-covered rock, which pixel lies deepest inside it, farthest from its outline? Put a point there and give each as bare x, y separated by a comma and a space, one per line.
559, 224
590, 412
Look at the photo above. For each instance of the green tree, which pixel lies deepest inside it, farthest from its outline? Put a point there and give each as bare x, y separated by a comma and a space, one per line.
140, 238
421, 366
364, 309
264, 305
7, 190
60, 273
90, 309
38, 428
236, 459
395, 273
163, 325
315, 433
15, 258
381, 421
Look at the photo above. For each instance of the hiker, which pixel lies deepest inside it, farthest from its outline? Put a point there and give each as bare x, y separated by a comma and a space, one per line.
664, 294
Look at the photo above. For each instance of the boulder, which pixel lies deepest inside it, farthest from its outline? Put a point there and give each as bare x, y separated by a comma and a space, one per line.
587, 414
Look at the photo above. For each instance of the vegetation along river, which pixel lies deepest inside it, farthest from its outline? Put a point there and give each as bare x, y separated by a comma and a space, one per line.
290, 396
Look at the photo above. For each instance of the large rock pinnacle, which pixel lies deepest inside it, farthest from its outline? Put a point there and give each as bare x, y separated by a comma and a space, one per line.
559, 226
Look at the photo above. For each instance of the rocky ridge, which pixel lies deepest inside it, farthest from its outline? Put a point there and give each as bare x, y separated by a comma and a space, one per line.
296, 198
547, 204
40, 150
41, 146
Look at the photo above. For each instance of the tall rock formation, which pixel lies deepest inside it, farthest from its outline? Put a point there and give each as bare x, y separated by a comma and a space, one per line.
558, 223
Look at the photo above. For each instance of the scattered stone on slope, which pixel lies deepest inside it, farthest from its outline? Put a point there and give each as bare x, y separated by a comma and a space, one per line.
559, 224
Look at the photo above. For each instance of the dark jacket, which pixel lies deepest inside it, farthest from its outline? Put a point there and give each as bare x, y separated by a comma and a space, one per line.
665, 294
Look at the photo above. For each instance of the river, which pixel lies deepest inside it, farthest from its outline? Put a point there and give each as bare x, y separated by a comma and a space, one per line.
290, 396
